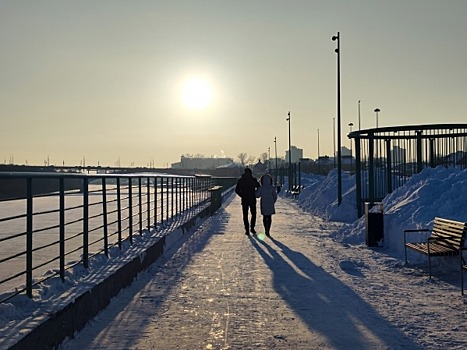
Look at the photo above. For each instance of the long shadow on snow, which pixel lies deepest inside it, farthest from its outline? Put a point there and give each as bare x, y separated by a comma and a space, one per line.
325, 304
160, 274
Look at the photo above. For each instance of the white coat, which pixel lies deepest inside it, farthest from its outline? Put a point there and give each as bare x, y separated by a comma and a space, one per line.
267, 194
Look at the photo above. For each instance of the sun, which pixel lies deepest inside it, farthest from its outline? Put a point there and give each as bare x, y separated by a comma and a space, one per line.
197, 93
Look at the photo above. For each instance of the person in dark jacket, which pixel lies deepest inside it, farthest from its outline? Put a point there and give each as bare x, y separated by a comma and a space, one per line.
246, 188
268, 197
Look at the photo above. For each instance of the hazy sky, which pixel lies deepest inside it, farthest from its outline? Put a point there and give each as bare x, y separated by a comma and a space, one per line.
103, 80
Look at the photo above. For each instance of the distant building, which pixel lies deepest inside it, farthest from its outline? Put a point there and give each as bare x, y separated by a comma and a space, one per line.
273, 161
325, 160
345, 152
201, 162
296, 154
259, 169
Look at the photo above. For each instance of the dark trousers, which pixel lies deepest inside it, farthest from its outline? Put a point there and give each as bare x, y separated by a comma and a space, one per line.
252, 208
267, 221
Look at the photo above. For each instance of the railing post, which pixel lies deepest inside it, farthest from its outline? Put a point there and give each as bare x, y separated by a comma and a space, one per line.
140, 204
419, 151
155, 202
177, 196
162, 200
371, 167
148, 201
389, 165
130, 209
185, 189
172, 196
167, 200
29, 228
104, 217
192, 197
358, 176
432, 153
62, 229
85, 223
119, 213
216, 198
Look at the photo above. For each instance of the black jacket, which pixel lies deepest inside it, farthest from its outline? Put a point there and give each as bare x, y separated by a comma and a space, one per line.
246, 187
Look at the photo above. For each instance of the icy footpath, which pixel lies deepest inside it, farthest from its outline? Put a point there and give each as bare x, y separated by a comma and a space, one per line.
222, 289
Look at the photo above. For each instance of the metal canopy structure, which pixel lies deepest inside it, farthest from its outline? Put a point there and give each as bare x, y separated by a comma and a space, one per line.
385, 158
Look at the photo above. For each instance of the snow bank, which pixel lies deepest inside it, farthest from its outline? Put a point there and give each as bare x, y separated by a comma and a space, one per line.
433, 192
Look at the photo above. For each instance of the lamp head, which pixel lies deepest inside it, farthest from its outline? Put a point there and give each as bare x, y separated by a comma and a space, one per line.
334, 38
377, 110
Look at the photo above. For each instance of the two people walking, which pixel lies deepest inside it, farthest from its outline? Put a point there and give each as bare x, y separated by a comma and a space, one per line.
248, 188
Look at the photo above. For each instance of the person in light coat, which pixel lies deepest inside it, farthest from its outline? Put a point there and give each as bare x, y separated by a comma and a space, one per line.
268, 197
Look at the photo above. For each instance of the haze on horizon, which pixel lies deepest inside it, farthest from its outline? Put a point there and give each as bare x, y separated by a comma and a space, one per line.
107, 81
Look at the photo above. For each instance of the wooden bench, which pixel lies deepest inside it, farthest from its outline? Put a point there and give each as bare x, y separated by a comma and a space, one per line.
446, 239
296, 190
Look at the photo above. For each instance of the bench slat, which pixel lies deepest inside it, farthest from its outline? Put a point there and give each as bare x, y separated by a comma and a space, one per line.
446, 239
435, 249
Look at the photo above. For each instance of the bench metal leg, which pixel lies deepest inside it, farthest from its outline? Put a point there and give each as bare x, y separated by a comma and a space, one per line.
429, 258
462, 279
405, 248
429, 264
462, 271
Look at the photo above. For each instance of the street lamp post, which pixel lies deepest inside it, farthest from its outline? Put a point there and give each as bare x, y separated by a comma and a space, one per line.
339, 156
377, 110
269, 157
351, 160
359, 124
290, 156
334, 140
275, 154
319, 163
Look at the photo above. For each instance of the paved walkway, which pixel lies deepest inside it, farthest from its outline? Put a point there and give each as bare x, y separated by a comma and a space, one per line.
231, 291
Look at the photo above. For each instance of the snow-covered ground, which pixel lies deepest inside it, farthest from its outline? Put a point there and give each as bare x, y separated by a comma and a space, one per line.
435, 192
432, 312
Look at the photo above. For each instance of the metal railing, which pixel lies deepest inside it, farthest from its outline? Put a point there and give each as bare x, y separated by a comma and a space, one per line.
51, 222
385, 158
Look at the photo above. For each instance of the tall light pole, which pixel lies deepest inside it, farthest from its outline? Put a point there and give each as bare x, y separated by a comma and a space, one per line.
351, 160
339, 158
334, 140
377, 110
359, 125
318, 143
269, 157
275, 153
290, 156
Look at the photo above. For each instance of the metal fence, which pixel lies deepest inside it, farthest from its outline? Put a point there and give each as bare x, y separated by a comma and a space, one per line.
51, 222
385, 158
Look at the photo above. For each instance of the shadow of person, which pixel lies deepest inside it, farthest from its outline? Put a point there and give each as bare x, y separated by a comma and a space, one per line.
325, 304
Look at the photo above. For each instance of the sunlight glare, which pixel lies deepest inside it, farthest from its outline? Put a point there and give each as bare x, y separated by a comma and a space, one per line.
197, 93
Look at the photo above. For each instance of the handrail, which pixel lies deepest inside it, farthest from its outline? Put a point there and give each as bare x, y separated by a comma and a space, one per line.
56, 221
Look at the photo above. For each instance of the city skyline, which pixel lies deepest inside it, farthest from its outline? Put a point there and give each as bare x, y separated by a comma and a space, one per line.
147, 82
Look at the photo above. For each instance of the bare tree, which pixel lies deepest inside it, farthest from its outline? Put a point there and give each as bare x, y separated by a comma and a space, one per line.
242, 158
263, 157
250, 160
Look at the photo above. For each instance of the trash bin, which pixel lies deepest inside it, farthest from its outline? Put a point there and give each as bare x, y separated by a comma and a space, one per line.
374, 225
